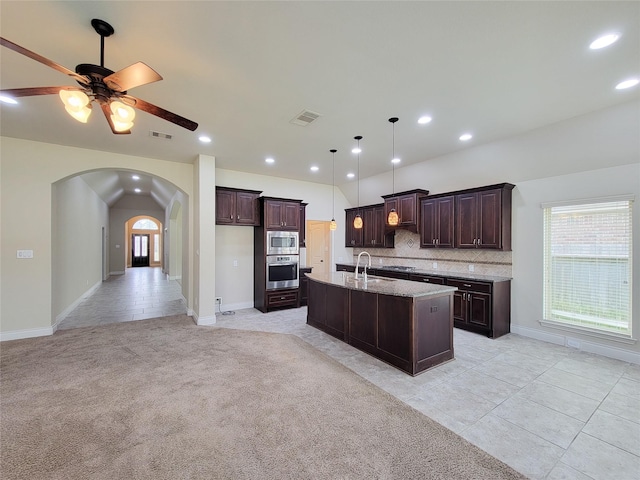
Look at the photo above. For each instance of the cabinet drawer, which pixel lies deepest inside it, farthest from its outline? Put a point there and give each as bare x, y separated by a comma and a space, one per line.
469, 285
419, 277
281, 299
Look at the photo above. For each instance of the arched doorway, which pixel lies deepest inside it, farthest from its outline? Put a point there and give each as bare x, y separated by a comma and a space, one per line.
144, 239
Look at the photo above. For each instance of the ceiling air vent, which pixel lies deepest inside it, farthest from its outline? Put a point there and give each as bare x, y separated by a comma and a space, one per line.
166, 136
305, 117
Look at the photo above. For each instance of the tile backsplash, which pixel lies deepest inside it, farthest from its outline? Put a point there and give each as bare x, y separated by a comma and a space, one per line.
407, 251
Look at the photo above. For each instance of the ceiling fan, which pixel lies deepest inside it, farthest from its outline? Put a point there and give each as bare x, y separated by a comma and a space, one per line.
97, 83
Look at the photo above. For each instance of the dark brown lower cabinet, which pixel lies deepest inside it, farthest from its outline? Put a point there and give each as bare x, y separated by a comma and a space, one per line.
410, 333
328, 309
304, 285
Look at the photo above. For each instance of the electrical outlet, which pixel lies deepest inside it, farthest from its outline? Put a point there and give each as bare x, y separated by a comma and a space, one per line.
218, 300
471, 268
435, 265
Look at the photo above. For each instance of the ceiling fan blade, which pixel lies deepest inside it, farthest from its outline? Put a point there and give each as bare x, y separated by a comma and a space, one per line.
107, 113
45, 61
33, 91
161, 112
131, 76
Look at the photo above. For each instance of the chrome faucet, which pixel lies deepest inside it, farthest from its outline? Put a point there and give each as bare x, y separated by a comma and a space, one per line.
364, 276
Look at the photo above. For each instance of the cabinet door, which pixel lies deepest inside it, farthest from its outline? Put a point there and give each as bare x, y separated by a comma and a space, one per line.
273, 215
395, 320
445, 219
407, 211
317, 303
353, 236
369, 228
247, 209
460, 306
428, 221
479, 309
466, 221
225, 207
290, 216
489, 219
363, 318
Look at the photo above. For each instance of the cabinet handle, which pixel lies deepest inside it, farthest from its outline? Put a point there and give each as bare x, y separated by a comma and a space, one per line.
281, 298
437, 241
466, 285
433, 241
425, 279
238, 217
230, 217
464, 296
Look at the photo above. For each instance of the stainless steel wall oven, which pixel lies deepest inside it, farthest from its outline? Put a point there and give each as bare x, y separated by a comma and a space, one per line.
282, 271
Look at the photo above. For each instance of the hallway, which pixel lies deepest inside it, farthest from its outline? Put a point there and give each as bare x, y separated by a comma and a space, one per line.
141, 293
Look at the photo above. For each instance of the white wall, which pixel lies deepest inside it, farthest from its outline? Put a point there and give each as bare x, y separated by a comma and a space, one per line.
28, 172
527, 285
79, 215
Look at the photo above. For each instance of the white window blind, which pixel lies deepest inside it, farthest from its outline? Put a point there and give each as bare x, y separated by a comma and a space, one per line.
587, 271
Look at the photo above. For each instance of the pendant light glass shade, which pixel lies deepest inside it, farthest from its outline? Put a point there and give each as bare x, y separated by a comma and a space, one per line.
392, 218
357, 222
333, 225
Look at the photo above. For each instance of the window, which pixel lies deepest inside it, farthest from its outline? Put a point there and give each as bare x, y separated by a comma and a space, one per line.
145, 224
587, 265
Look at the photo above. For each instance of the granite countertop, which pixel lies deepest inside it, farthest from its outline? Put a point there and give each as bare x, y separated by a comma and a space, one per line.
436, 273
386, 286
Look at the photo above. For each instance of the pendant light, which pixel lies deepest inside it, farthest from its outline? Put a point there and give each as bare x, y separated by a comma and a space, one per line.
333, 225
393, 219
357, 222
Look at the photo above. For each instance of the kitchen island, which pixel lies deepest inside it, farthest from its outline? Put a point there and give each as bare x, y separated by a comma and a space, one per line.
406, 324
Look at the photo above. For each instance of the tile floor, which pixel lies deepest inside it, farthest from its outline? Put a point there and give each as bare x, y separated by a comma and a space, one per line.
548, 411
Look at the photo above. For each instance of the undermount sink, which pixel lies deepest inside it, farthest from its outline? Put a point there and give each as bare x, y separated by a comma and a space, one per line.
361, 280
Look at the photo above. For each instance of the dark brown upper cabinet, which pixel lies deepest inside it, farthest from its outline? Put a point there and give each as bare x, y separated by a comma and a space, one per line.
437, 222
354, 237
237, 207
281, 214
407, 205
373, 233
483, 217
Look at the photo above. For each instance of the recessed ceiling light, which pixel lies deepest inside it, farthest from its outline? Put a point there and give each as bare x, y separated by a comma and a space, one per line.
632, 82
269, 160
604, 41
424, 119
135, 177
9, 100
356, 150
395, 160
137, 190
204, 139
351, 175
314, 168
465, 137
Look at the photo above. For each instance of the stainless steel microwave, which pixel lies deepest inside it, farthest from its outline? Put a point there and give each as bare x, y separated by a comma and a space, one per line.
282, 243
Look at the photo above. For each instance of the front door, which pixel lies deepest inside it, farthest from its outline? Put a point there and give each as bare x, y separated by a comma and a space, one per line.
140, 250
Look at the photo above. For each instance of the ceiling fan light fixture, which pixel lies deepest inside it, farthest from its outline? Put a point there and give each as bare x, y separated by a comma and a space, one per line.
122, 116
76, 103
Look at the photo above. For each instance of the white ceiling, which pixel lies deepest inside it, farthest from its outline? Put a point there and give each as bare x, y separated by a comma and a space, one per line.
243, 70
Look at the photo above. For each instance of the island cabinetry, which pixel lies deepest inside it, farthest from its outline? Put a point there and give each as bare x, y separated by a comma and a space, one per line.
437, 222
482, 307
329, 309
407, 206
237, 207
281, 214
483, 218
412, 333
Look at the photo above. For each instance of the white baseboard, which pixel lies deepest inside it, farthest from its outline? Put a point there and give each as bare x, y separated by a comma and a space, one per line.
117, 273
235, 306
60, 317
210, 320
584, 345
28, 333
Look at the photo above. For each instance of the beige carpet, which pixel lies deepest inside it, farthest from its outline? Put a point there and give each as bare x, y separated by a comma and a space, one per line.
165, 399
